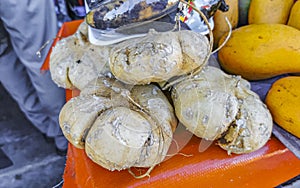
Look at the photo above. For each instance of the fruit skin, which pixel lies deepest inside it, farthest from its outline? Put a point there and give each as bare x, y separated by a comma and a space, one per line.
243, 12
283, 101
221, 27
269, 11
260, 51
294, 19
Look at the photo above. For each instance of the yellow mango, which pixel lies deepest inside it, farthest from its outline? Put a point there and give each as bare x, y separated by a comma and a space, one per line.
283, 101
260, 51
221, 27
269, 11
294, 19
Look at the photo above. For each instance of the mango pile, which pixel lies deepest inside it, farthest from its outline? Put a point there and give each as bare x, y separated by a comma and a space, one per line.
264, 43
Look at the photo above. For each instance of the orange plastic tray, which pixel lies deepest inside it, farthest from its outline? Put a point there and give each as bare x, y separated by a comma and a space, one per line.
270, 166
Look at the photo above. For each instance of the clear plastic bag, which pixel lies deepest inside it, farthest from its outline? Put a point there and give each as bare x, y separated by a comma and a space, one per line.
112, 21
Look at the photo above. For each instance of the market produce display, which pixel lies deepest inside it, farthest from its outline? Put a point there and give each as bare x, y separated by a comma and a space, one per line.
75, 61
120, 128
123, 116
266, 47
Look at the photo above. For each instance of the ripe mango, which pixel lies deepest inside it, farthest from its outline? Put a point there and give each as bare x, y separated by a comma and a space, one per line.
260, 51
294, 19
269, 11
283, 101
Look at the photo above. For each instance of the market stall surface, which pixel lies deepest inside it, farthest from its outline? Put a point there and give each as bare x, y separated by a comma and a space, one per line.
27, 159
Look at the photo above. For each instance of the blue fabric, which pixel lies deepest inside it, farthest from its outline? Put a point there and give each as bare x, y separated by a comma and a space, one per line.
24, 27
262, 87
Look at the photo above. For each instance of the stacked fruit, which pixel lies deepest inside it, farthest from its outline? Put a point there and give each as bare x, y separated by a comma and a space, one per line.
264, 43
135, 92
